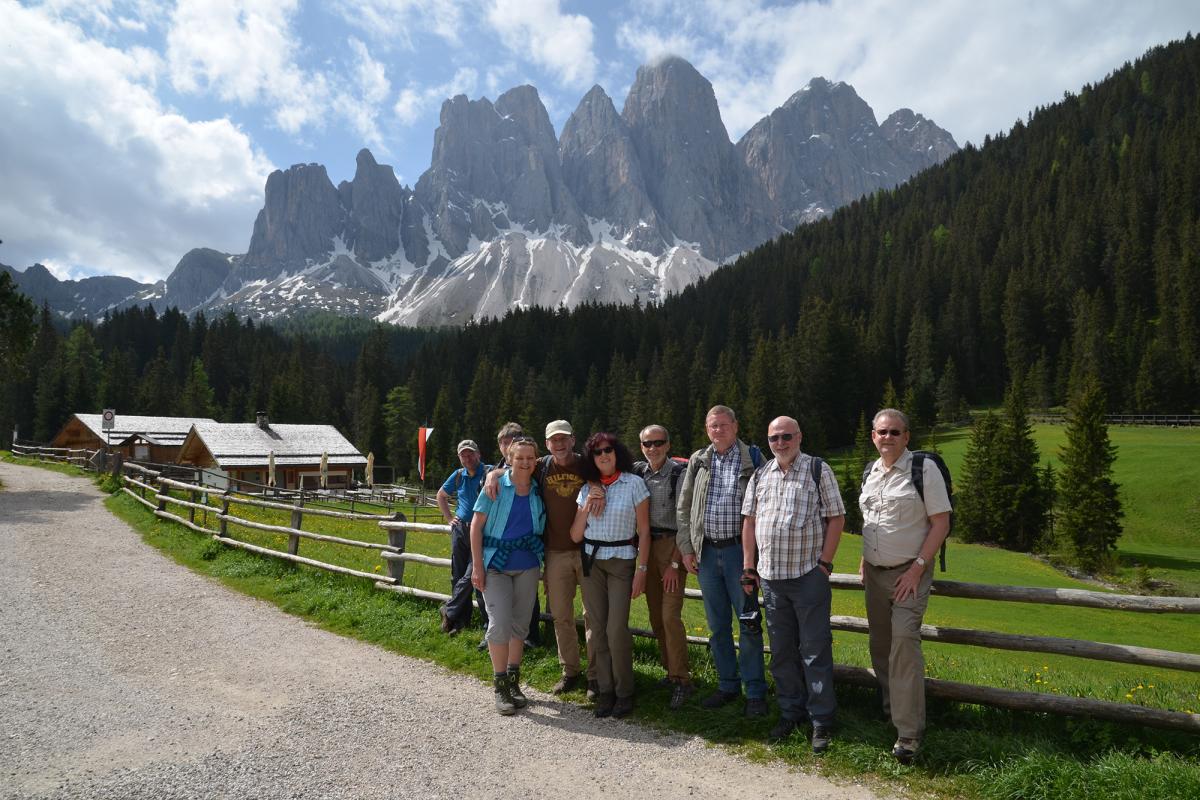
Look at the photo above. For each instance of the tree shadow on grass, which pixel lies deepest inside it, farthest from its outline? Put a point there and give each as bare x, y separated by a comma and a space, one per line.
1130, 558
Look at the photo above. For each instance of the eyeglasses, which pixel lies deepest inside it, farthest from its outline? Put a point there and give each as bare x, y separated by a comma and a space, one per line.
654, 443
775, 437
888, 432
603, 451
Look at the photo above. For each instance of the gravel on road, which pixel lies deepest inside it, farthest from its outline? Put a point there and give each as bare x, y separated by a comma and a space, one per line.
125, 675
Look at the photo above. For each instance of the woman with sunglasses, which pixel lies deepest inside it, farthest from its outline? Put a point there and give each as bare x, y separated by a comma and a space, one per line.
616, 549
506, 563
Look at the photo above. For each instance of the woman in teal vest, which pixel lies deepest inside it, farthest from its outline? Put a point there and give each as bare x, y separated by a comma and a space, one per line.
506, 563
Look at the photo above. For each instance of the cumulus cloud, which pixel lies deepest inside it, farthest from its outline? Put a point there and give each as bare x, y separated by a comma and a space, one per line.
245, 51
99, 175
539, 32
415, 100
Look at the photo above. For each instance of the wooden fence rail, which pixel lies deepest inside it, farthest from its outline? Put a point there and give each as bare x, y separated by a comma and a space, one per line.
395, 556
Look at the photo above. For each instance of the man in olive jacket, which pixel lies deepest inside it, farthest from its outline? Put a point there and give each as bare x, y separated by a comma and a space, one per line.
710, 539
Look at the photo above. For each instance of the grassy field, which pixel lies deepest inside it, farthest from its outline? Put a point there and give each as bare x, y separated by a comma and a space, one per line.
970, 751
1158, 472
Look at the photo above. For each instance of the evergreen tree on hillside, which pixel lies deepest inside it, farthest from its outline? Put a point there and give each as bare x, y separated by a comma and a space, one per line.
400, 421
1089, 510
197, 398
978, 514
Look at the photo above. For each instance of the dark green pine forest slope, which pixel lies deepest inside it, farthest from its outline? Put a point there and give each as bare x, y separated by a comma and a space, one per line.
1069, 246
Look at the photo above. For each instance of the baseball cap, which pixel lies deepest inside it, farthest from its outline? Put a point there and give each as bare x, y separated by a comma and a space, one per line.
467, 444
557, 427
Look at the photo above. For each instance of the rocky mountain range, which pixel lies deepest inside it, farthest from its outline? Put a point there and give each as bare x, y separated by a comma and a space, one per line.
626, 205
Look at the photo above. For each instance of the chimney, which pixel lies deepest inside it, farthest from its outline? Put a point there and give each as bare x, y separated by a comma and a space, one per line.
260, 419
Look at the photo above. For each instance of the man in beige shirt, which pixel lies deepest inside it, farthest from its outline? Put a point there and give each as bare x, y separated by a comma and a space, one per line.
901, 535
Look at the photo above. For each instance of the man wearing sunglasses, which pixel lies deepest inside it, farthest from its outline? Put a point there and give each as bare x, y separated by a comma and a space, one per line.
666, 579
709, 516
901, 534
792, 522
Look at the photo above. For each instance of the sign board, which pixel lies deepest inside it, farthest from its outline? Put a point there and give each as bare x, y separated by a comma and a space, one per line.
108, 419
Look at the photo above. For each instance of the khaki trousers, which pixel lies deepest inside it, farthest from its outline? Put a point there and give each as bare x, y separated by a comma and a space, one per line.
666, 611
895, 642
564, 572
606, 597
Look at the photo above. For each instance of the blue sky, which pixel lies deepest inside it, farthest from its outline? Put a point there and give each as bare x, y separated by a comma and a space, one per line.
137, 130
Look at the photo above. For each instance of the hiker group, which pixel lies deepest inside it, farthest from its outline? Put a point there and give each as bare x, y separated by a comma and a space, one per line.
613, 528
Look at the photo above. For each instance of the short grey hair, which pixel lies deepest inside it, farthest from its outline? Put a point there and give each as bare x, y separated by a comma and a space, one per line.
891, 412
666, 433
724, 410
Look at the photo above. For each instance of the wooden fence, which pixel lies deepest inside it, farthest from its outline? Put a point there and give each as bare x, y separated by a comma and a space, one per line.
1168, 420
154, 491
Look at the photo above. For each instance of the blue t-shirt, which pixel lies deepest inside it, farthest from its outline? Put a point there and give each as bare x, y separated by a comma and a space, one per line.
520, 522
466, 487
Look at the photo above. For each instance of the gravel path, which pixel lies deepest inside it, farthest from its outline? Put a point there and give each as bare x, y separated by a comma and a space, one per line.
124, 675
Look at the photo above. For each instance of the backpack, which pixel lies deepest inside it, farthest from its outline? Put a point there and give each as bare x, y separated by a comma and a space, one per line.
677, 469
918, 479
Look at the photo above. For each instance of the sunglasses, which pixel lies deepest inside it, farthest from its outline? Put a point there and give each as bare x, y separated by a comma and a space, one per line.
888, 431
603, 451
654, 443
775, 437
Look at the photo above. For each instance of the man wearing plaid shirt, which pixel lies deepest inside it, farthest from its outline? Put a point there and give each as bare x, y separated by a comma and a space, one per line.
790, 531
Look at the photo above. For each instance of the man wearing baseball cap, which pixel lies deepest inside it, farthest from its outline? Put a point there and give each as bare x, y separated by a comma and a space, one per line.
464, 483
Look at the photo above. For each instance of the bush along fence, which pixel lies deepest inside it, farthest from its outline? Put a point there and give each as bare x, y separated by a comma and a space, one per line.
183, 502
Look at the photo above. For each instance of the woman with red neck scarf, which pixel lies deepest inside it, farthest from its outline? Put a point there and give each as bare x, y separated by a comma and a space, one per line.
616, 549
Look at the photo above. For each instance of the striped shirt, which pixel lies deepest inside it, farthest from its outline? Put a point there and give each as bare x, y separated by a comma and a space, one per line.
618, 523
790, 512
722, 514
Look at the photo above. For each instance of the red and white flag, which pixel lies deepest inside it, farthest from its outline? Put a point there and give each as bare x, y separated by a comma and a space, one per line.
423, 435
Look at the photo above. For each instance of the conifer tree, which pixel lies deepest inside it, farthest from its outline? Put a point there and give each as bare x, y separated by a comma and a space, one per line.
197, 398
1026, 501
1089, 510
978, 511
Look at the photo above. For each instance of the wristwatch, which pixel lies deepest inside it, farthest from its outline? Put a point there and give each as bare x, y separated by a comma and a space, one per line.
675, 565
828, 565
642, 567
920, 562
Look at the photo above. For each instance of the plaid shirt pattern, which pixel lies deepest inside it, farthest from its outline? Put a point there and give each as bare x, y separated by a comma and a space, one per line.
722, 516
618, 523
790, 514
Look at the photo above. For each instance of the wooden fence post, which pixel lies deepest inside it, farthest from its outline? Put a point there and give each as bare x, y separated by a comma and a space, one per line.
223, 525
162, 489
397, 537
297, 520
193, 495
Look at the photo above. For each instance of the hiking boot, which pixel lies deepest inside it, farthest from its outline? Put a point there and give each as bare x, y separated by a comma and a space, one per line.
783, 729
623, 707
604, 704
593, 691
664, 682
514, 688
680, 695
504, 699
822, 736
483, 645
567, 683
719, 698
905, 750
756, 707
447, 625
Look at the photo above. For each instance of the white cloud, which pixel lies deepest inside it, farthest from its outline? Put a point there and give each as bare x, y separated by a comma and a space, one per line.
415, 100
363, 95
245, 51
394, 21
539, 32
972, 68
98, 174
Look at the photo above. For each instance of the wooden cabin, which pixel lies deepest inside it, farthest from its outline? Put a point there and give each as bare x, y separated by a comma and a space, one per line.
239, 453
138, 438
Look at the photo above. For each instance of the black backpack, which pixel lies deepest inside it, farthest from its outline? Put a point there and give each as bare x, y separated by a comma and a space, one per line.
918, 479
678, 467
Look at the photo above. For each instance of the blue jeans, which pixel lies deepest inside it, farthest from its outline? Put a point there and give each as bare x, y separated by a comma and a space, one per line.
802, 645
720, 584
